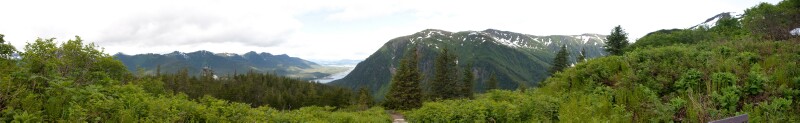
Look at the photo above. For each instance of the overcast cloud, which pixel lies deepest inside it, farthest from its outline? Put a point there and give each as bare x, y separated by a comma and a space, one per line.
329, 29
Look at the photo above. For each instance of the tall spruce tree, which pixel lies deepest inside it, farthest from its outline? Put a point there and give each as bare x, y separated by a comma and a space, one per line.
617, 41
467, 82
560, 62
364, 98
582, 55
404, 91
492, 83
444, 84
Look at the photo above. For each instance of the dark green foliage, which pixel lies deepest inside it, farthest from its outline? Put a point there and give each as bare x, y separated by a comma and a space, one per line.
561, 61
364, 98
582, 55
259, 89
773, 22
492, 83
467, 82
404, 92
445, 84
616, 41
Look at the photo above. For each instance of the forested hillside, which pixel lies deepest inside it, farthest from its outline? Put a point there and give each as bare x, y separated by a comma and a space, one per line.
744, 65
227, 64
514, 58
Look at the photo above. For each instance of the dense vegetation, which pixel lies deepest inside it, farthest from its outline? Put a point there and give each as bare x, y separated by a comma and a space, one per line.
255, 89
685, 75
73, 82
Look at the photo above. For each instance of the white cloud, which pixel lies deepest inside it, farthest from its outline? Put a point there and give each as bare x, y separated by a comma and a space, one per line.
342, 29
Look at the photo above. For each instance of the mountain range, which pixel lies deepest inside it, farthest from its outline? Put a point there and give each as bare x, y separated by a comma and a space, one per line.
227, 64
515, 58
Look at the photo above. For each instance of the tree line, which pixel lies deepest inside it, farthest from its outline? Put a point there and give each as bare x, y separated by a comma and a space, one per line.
257, 89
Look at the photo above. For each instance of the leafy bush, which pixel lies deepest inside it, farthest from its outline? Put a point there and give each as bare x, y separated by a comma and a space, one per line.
723, 79
748, 57
755, 81
689, 80
728, 98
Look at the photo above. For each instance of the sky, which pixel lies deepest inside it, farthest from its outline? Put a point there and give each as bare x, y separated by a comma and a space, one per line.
329, 29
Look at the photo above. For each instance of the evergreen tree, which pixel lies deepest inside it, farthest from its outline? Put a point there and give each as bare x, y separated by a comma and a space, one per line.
364, 98
492, 83
522, 87
560, 62
617, 41
444, 84
404, 90
466, 82
582, 55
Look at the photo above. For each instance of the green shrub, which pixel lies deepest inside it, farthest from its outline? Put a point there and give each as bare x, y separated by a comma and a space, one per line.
723, 79
748, 57
689, 80
728, 98
755, 81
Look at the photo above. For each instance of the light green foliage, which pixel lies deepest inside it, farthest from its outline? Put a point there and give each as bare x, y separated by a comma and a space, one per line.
671, 37
495, 106
728, 98
748, 57
755, 81
776, 110
722, 80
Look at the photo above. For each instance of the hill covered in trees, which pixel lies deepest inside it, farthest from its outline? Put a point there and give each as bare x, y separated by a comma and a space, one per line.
227, 64
744, 65
515, 59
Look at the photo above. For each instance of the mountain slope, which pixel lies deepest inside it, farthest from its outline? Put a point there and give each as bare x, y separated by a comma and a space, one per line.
227, 64
514, 57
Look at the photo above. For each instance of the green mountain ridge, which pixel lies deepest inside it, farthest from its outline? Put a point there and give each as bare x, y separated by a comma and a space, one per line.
514, 57
227, 64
